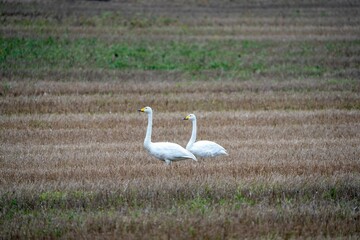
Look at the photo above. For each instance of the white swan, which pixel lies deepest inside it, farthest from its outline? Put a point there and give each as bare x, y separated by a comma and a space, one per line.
202, 148
164, 151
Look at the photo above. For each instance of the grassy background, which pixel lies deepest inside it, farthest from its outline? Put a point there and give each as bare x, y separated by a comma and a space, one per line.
275, 83
244, 58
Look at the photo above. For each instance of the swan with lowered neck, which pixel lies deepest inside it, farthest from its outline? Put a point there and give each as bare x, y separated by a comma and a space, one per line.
202, 148
165, 151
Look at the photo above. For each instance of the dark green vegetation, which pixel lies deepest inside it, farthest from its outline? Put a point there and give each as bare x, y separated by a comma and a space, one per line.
238, 59
275, 83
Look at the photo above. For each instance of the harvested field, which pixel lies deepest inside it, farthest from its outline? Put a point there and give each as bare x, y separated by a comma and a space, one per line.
88, 173
276, 83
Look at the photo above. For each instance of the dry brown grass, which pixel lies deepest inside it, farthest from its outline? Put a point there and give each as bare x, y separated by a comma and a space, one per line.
289, 173
72, 162
116, 97
211, 20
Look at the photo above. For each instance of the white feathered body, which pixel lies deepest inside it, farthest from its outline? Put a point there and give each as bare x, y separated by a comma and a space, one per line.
206, 149
169, 151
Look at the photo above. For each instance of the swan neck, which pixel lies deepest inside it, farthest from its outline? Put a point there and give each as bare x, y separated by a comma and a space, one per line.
193, 134
147, 140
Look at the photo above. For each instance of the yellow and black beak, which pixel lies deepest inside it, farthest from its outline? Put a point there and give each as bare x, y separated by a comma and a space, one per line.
141, 110
186, 118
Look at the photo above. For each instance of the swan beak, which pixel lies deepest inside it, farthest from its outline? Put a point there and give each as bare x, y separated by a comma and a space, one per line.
186, 118
141, 110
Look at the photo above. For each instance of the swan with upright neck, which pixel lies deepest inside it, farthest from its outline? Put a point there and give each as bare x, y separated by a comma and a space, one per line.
164, 151
202, 148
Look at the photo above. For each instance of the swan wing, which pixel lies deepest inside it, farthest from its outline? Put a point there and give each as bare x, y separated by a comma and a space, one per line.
170, 151
207, 149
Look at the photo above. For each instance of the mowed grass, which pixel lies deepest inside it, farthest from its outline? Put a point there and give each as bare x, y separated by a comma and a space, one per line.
289, 174
276, 84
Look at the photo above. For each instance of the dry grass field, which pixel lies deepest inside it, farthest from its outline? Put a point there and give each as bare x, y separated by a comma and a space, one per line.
276, 83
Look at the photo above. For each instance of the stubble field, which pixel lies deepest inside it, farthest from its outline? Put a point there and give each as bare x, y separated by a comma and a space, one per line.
275, 83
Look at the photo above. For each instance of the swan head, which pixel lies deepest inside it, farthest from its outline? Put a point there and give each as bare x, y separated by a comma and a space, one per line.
190, 117
145, 110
